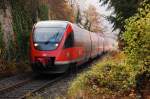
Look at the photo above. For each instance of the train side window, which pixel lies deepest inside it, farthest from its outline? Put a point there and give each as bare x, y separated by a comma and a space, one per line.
69, 41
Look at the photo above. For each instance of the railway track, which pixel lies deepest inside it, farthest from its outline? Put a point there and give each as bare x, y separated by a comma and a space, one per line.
14, 82
22, 88
41, 85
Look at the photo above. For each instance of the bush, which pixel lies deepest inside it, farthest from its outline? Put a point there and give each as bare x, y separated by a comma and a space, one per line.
105, 78
8, 68
137, 38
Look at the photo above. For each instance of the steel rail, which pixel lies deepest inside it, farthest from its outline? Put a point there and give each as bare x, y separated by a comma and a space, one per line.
41, 87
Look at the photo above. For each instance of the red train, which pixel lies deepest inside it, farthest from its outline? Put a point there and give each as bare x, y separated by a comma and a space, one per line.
57, 45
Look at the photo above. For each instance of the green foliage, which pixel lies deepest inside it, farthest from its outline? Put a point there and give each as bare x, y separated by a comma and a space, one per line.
22, 24
137, 37
106, 78
43, 12
123, 10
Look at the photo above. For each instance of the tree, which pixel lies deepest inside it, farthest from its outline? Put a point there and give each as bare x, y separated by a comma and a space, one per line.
43, 12
123, 10
91, 19
78, 16
60, 10
137, 37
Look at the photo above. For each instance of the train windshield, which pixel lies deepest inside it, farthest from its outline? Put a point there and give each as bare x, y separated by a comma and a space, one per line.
48, 34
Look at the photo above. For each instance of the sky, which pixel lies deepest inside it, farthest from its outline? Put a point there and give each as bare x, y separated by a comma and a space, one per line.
103, 11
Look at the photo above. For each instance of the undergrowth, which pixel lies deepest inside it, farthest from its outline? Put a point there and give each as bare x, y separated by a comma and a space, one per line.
9, 68
110, 77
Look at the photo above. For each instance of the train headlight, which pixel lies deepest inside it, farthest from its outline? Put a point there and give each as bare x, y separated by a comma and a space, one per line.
56, 44
35, 44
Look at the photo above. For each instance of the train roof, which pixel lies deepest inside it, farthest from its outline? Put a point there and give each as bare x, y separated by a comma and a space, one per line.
52, 23
56, 23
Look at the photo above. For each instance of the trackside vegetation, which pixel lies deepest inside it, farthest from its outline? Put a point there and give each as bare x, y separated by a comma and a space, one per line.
111, 77
137, 38
121, 74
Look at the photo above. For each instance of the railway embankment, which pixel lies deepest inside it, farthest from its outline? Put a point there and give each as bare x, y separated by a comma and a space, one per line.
111, 78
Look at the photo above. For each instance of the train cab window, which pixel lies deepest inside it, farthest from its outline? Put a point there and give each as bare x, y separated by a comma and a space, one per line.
48, 34
69, 41
47, 38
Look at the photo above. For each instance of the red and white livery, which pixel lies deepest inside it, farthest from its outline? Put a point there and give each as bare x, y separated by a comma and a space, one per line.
56, 45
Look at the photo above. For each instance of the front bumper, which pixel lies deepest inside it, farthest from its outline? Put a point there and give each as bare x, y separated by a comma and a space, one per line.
47, 68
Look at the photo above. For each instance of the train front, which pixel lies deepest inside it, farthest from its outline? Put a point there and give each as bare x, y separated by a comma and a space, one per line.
46, 44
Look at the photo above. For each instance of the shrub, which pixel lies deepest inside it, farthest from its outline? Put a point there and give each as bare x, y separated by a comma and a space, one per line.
8, 68
137, 38
105, 78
